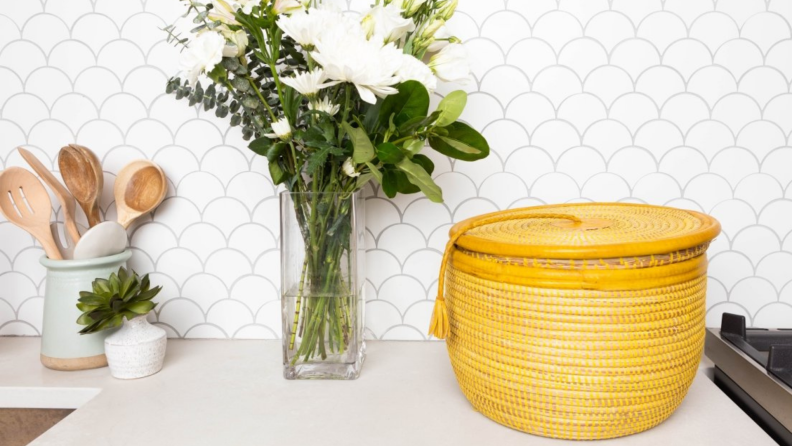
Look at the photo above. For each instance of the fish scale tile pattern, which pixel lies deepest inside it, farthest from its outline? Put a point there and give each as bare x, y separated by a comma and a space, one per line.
678, 102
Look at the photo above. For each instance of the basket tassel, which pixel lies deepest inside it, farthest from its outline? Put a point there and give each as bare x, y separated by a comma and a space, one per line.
440, 326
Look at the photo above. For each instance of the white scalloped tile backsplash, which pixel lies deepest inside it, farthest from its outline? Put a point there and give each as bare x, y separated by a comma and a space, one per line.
679, 102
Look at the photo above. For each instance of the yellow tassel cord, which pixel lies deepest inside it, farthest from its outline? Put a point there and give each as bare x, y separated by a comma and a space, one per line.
440, 326
585, 329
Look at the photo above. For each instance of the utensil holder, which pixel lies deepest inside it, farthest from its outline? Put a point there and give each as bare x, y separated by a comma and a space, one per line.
62, 346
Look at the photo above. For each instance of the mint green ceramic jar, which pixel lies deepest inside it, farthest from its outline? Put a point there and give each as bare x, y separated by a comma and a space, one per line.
62, 347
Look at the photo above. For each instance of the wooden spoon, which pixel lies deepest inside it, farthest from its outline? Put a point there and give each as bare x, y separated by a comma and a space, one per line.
82, 180
25, 202
139, 188
66, 200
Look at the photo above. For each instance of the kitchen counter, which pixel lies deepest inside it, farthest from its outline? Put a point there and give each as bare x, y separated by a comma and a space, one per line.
231, 393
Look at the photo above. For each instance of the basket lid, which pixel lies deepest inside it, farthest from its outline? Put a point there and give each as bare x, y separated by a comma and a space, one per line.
586, 231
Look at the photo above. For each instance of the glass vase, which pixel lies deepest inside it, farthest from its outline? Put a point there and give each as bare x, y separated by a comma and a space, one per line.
322, 273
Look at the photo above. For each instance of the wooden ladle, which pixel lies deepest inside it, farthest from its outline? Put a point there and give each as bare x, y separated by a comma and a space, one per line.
64, 197
139, 188
78, 167
25, 202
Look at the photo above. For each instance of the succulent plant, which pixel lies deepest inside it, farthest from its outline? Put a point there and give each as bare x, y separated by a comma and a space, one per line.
123, 294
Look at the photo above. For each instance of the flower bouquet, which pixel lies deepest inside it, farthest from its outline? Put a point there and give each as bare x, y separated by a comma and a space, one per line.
335, 101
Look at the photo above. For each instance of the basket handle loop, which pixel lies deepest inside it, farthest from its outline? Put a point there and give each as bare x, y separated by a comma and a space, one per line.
440, 325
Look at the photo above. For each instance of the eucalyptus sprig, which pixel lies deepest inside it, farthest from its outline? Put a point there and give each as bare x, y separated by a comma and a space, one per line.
123, 294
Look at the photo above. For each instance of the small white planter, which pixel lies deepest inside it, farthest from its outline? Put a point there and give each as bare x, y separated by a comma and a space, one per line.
136, 350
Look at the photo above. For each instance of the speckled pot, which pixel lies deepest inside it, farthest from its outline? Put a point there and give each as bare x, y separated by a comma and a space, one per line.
136, 350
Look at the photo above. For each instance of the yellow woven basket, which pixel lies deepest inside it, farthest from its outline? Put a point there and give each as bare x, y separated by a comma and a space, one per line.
581, 321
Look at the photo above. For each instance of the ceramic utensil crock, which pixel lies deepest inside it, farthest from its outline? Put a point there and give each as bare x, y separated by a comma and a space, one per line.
62, 347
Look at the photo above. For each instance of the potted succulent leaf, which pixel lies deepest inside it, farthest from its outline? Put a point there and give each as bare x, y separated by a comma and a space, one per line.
124, 299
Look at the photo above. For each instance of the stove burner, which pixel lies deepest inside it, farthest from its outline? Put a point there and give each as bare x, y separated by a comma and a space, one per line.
770, 348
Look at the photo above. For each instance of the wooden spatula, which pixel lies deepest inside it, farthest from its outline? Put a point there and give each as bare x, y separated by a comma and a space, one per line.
66, 199
25, 202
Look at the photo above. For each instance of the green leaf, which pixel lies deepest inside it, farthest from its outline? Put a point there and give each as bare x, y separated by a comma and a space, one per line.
126, 286
261, 145
425, 162
275, 150
412, 101
451, 108
149, 294
374, 171
85, 319
388, 153
389, 183
419, 177
101, 286
141, 307
91, 299
461, 142
85, 308
414, 146
364, 150
218, 74
113, 322
418, 123
318, 158
363, 179
404, 185
277, 174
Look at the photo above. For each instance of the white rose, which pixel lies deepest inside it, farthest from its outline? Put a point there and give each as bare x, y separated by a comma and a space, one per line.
451, 64
387, 23
204, 52
413, 69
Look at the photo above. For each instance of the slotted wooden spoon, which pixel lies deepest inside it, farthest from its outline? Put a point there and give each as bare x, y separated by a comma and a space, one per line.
25, 202
139, 188
85, 182
61, 193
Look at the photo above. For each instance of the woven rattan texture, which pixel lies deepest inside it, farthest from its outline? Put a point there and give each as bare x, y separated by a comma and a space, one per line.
575, 348
621, 224
574, 364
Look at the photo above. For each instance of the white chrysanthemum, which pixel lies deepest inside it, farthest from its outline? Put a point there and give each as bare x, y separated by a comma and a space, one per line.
413, 69
309, 83
305, 26
347, 56
325, 105
203, 53
287, 6
281, 129
451, 64
349, 168
386, 23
